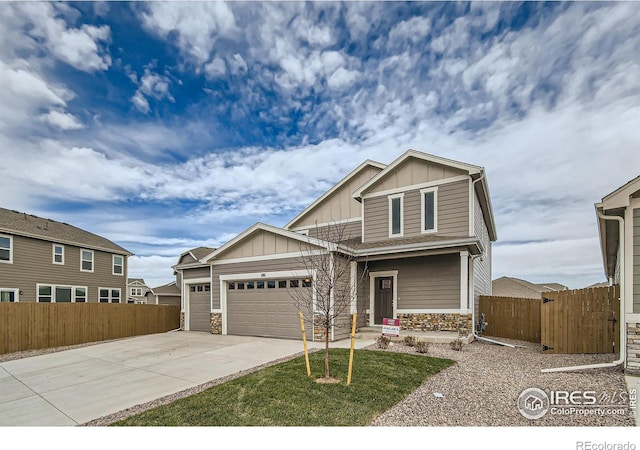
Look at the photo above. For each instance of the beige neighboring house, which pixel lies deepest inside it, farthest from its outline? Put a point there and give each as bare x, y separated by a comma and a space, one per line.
137, 290
167, 294
619, 227
515, 287
42, 260
419, 231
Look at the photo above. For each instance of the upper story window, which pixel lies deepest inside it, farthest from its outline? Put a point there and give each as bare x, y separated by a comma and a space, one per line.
58, 254
429, 208
118, 264
6, 249
396, 219
86, 260
136, 292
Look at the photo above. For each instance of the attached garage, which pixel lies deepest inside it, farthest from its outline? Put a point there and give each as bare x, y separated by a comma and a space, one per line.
265, 307
199, 307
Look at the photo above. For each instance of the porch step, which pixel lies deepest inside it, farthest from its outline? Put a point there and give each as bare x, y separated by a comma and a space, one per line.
435, 337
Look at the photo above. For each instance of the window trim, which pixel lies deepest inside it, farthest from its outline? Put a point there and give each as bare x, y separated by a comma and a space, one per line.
10, 261
16, 293
93, 258
113, 265
53, 292
53, 254
110, 296
390, 211
133, 291
435, 210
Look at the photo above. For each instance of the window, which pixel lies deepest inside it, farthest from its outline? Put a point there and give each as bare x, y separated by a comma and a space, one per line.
108, 295
45, 294
6, 249
136, 291
240, 285
49, 293
271, 284
58, 254
118, 264
396, 227
80, 295
232, 286
8, 295
306, 282
429, 203
250, 284
282, 284
294, 283
260, 284
86, 260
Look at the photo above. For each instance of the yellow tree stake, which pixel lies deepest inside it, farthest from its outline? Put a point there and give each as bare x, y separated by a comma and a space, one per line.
304, 340
353, 337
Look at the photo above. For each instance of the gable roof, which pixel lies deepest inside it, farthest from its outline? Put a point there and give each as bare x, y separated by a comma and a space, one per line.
337, 186
136, 281
270, 229
166, 289
471, 169
196, 253
28, 225
620, 197
515, 287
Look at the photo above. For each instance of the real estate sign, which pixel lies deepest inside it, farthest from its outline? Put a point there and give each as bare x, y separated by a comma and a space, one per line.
391, 327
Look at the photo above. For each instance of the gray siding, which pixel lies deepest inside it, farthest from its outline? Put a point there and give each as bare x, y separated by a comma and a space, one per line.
452, 219
636, 260
198, 272
337, 232
168, 300
430, 282
482, 266
32, 263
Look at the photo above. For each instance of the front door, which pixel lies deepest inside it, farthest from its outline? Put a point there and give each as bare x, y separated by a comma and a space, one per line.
383, 301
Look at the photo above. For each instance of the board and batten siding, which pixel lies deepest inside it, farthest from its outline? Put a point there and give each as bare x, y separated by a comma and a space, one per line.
414, 171
340, 205
264, 243
636, 260
32, 264
429, 282
452, 216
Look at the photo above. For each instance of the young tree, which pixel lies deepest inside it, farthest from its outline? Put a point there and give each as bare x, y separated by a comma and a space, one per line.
334, 282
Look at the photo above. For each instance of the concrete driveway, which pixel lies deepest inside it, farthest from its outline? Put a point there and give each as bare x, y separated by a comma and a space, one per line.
75, 386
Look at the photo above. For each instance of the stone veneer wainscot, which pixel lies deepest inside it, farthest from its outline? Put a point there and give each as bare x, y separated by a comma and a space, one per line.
633, 349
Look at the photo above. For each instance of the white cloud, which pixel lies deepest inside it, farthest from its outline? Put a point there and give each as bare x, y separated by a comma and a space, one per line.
64, 121
140, 102
151, 85
217, 67
82, 48
342, 78
198, 25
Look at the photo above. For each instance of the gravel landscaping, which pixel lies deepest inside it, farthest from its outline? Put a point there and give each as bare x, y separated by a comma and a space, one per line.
482, 389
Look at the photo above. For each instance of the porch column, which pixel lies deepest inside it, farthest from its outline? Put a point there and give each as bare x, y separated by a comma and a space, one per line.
464, 280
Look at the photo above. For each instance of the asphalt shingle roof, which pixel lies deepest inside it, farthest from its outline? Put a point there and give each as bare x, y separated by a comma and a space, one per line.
23, 224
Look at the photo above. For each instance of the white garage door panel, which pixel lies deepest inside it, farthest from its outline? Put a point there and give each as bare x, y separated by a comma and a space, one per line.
263, 312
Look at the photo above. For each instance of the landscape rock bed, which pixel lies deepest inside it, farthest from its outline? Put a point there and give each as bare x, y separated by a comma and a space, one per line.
482, 388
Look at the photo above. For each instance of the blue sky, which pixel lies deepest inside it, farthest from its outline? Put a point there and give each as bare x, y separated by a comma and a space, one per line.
165, 126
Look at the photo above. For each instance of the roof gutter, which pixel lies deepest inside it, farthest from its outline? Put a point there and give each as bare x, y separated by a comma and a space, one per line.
623, 341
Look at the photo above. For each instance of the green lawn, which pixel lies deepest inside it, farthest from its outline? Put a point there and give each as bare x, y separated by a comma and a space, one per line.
282, 395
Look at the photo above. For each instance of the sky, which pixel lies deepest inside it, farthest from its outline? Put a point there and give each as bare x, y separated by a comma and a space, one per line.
165, 126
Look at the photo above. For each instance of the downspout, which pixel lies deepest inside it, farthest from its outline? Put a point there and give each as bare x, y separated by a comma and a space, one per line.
623, 341
473, 296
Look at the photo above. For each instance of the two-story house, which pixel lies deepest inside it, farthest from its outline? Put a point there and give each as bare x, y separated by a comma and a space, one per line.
42, 260
417, 233
137, 290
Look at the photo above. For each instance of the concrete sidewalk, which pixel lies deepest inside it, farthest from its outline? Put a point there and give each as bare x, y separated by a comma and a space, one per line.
75, 386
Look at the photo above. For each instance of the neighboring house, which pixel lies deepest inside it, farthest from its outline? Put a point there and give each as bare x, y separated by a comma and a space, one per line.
420, 230
619, 228
42, 260
137, 291
167, 294
515, 287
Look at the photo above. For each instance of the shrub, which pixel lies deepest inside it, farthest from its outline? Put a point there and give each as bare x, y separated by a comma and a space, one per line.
409, 341
422, 346
456, 345
383, 342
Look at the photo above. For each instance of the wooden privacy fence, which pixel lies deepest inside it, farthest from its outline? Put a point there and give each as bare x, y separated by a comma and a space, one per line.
30, 325
511, 317
581, 321
572, 321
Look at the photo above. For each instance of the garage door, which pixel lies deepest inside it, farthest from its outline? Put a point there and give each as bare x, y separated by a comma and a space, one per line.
265, 308
199, 307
